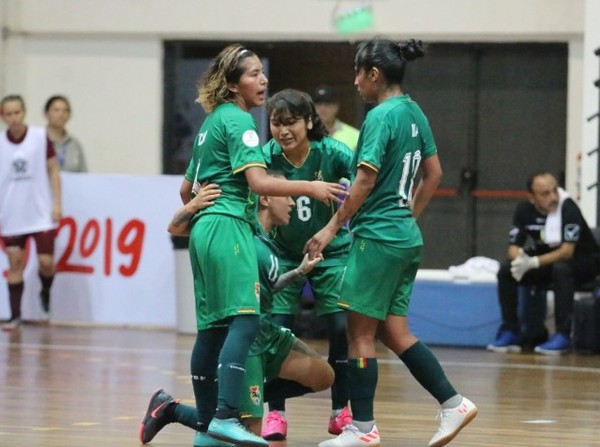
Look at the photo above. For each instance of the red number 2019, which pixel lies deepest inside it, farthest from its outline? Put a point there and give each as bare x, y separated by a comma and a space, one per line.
129, 242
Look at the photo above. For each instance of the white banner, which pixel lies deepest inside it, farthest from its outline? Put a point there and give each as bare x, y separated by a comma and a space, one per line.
114, 258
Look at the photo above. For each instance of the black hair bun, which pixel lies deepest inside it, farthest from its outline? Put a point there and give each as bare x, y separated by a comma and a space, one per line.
411, 49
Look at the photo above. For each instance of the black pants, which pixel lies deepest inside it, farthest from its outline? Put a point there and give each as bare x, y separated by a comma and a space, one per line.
561, 277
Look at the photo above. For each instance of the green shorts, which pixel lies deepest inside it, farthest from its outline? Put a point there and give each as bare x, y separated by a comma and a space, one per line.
379, 278
225, 269
267, 354
325, 283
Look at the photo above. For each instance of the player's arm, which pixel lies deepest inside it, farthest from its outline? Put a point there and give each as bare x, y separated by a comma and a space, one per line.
55, 186
185, 191
180, 223
299, 272
359, 191
432, 175
564, 252
265, 185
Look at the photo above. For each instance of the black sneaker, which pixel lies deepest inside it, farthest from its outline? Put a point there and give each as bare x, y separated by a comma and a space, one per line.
155, 418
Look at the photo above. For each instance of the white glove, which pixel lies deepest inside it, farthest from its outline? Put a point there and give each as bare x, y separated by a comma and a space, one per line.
522, 264
307, 265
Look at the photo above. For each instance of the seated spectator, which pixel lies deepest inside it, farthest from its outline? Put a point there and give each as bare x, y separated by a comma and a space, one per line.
551, 246
68, 148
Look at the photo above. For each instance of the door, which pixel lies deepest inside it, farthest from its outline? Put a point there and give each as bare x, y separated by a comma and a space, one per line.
498, 113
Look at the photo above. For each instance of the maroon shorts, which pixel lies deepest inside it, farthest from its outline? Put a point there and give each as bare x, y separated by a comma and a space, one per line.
44, 241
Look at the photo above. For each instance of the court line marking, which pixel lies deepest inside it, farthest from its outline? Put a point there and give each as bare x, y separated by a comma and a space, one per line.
115, 349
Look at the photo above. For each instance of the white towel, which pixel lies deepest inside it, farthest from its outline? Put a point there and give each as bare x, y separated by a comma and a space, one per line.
553, 227
474, 266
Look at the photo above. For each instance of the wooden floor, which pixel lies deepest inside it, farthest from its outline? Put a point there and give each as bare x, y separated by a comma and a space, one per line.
80, 386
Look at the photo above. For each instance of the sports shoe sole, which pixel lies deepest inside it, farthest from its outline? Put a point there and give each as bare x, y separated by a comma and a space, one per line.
504, 349
550, 351
468, 418
275, 437
234, 441
148, 416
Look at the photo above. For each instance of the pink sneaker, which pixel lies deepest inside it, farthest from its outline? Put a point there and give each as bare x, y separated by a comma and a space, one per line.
275, 427
337, 423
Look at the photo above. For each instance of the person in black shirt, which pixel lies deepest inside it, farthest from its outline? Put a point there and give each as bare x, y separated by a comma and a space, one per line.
550, 247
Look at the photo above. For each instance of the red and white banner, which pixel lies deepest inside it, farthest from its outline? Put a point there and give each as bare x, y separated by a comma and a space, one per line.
115, 260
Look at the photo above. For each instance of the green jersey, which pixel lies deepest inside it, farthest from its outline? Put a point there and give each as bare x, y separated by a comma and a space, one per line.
268, 270
328, 160
394, 138
225, 147
268, 273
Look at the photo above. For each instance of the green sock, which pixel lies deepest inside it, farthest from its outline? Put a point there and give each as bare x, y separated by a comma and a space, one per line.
232, 361
277, 389
188, 416
203, 364
362, 381
424, 367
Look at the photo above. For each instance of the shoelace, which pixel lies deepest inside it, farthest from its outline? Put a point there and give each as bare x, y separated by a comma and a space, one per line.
276, 418
443, 414
350, 430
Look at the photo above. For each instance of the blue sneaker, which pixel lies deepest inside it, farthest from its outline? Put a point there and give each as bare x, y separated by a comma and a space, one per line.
232, 430
203, 440
558, 344
506, 341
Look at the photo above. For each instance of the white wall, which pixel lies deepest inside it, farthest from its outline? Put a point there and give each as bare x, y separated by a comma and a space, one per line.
591, 104
106, 55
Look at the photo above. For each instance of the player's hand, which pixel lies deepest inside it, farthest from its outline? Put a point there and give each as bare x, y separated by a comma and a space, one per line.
308, 264
522, 264
206, 196
328, 192
316, 244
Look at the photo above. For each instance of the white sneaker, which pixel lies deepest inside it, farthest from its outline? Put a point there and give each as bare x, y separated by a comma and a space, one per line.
452, 420
11, 325
353, 437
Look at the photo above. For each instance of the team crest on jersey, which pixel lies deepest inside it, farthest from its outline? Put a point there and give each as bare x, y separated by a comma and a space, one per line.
20, 166
250, 138
319, 175
257, 291
255, 394
201, 138
362, 245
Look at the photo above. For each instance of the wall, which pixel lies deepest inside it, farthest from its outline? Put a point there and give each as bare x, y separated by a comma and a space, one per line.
107, 56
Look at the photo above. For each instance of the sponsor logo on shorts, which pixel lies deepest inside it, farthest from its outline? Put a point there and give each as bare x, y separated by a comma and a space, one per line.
255, 394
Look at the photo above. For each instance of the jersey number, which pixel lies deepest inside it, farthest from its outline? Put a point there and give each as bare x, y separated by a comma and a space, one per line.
274, 269
303, 208
410, 165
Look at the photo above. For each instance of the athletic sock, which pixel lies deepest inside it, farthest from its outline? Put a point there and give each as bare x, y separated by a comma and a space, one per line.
453, 402
15, 293
283, 320
338, 358
45, 292
362, 382
279, 389
232, 360
204, 361
185, 415
424, 367
364, 427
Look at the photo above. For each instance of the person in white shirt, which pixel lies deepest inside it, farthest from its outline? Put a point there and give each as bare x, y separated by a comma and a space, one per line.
30, 202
